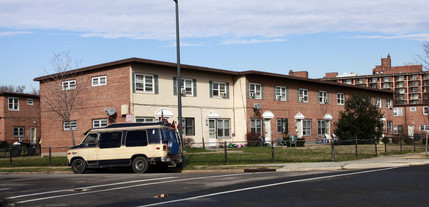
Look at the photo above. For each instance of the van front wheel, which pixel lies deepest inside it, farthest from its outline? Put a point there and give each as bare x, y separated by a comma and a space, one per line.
78, 166
140, 165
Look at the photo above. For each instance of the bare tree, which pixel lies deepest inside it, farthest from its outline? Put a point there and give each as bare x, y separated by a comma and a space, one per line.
61, 90
9, 88
424, 59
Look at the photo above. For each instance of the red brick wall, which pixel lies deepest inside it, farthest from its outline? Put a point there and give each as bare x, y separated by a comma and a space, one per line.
92, 104
311, 110
28, 116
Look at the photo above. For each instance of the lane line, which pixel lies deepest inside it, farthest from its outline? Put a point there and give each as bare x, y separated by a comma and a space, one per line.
265, 186
131, 186
86, 187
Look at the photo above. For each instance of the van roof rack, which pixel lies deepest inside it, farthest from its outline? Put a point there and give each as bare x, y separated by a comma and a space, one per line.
119, 125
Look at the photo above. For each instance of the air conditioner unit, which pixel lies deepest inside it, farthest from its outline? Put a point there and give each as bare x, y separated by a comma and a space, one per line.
325, 101
301, 99
252, 95
183, 91
389, 106
278, 97
223, 94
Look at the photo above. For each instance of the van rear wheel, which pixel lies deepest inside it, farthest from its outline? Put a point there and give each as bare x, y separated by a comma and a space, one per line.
140, 165
78, 166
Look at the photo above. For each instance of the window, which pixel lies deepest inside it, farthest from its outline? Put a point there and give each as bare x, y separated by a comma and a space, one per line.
18, 131
321, 127
425, 110
90, 140
348, 81
98, 123
256, 126
280, 93
144, 83
69, 85
413, 109
99, 81
388, 103
302, 95
144, 119
378, 102
424, 127
340, 98
223, 128
110, 140
282, 126
136, 138
218, 90
154, 136
323, 97
72, 126
398, 129
30, 101
188, 126
306, 127
255, 91
389, 127
397, 111
13, 104
187, 86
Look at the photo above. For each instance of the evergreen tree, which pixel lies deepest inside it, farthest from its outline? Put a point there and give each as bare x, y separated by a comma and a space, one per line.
361, 119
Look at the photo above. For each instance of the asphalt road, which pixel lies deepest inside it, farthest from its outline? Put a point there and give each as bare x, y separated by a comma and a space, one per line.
407, 186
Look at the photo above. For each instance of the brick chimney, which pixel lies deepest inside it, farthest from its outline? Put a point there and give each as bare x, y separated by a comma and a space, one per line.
331, 75
302, 74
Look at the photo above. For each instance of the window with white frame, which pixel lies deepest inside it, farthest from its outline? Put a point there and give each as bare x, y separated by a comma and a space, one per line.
378, 103
413, 109
306, 127
188, 126
398, 129
424, 127
280, 93
397, 111
303, 95
388, 103
282, 126
340, 99
425, 110
390, 127
255, 91
67, 126
223, 128
140, 119
323, 97
69, 85
99, 81
144, 83
187, 87
219, 90
18, 131
256, 126
321, 127
13, 103
98, 123
30, 101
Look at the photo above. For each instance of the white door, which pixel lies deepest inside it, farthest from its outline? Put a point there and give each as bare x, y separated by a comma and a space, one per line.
410, 130
212, 132
33, 135
267, 123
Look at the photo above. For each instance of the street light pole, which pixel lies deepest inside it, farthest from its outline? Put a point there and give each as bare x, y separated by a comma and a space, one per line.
179, 79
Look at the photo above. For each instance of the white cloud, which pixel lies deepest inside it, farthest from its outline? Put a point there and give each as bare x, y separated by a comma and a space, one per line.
10, 33
250, 41
269, 19
420, 37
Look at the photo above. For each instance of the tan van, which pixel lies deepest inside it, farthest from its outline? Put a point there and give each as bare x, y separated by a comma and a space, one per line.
128, 144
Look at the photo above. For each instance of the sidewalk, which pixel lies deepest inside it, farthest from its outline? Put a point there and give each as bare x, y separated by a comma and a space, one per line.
377, 162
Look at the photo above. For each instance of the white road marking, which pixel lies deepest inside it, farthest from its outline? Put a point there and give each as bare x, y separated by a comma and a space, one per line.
124, 187
86, 187
264, 186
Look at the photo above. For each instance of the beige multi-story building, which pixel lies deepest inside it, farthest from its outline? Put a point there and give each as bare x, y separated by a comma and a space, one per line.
411, 84
217, 105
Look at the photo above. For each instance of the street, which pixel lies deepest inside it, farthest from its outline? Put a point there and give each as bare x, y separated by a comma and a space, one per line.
406, 186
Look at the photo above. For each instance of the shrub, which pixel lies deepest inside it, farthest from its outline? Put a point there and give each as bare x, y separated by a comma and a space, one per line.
396, 139
253, 140
408, 140
385, 140
300, 142
188, 142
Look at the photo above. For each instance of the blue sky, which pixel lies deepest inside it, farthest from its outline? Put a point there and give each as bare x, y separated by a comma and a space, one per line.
271, 35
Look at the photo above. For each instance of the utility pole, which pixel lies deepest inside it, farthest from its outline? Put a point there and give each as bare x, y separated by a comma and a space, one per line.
179, 79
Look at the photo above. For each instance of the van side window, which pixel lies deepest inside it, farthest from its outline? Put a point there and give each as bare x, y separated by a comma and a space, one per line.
90, 140
110, 140
155, 136
136, 138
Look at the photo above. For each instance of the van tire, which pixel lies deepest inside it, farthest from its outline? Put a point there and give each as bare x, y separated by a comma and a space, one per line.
78, 166
140, 165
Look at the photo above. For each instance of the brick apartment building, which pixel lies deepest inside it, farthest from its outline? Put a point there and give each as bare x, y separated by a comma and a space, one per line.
217, 104
410, 105
19, 118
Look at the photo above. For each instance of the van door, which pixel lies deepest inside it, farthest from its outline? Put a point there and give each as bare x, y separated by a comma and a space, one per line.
109, 149
88, 149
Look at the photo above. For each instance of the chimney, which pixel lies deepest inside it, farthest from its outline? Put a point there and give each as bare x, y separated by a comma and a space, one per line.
331, 75
302, 74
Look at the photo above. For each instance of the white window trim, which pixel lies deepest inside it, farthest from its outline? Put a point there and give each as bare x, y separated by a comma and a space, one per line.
425, 108
253, 90
425, 128
71, 85
378, 102
30, 101
21, 132
98, 79
184, 87
73, 125
282, 95
413, 108
219, 89
15, 107
223, 128
143, 119
143, 88
322, 96
99, 123
341, 98
398, 111
303, 98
